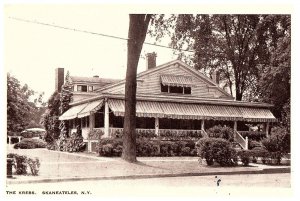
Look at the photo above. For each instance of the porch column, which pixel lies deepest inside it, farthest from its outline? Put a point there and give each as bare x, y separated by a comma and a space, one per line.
19, 138
106, 119
234, 129
202, 125
92, 121
235, 126
267, 128
9, 139
156, 126
91, 127
89, 146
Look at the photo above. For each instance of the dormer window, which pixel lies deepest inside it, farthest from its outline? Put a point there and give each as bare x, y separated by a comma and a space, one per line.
176, 84
82, 88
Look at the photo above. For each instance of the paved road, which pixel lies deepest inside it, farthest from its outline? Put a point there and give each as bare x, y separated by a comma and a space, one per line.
263, 183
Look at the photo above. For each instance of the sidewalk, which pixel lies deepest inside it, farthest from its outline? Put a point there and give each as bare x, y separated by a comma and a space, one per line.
62, 166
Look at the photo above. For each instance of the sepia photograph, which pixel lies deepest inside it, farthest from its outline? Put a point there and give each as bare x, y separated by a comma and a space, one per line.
116, 100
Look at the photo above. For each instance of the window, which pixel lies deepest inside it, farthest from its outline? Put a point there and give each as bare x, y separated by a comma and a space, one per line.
90, 88
187, 90
82, 88
164, 88
177, 90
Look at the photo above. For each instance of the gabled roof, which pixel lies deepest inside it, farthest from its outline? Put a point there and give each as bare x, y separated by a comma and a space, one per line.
95, 80
181, 64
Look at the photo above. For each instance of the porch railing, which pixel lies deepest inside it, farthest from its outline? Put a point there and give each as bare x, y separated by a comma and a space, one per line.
204, 134
180, 132
239, 139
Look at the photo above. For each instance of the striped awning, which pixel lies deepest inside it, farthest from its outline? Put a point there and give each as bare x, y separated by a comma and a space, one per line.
257, 115
92, 107
193, 111
143, 109
72, 112
176, 80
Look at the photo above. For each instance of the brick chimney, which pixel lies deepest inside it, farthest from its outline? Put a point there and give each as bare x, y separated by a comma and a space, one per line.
216, 76
59, 79
150, 60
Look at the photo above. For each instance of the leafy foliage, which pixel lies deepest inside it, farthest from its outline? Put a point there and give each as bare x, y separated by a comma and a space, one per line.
65, 99
29, 143
253, 135
221, 132
23, 162
274, 83
72, 144
278, 141
50, 118
239, 46
145, 147
19, 107
216, 150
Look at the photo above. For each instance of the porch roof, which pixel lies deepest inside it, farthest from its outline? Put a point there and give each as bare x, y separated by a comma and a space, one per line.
92, 107
72, 112
257, 114
82, 110
179, 81
193, 111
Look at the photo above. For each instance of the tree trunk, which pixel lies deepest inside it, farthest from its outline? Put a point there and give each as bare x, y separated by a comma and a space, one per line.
238, 95
138, 26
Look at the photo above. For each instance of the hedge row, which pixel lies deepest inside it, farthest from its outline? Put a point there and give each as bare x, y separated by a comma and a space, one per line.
113, 147
220, 151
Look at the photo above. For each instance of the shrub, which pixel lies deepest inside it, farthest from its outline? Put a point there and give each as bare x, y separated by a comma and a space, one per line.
95, 134
278, 143
179, 135
113, 147
253, 135
221, 132
279, 140
216, 150
72, 144
253, 144
186, 151
244, 156
148, 148
28, 143
23, 162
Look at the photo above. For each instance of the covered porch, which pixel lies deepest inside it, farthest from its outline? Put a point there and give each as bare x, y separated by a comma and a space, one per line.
106, 117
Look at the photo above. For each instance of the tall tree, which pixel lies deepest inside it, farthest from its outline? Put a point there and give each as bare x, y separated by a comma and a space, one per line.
236, 45
138, 26
65, 99
19, 107
50, 119
275, 80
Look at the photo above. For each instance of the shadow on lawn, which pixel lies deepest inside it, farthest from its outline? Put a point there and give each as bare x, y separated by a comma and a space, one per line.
152, 166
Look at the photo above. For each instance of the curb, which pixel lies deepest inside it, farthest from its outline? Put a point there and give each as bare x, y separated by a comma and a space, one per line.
53, 180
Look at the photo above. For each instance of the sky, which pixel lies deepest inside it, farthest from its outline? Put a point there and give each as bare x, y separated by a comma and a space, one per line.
33, 51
